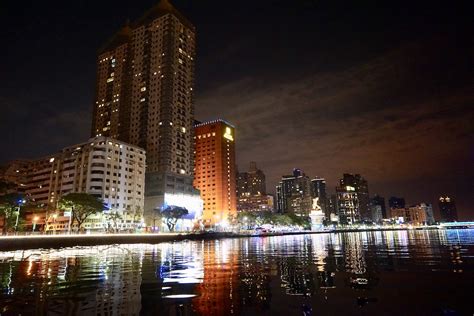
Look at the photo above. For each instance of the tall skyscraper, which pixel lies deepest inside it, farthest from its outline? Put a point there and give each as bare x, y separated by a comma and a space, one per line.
144, 96
215, 170
294, 193
318, 190
447, 208
353, 199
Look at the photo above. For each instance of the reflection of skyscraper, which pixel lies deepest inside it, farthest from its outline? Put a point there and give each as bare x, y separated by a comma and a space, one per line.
255, 291
296, 271
353, 253
218, 294
119, 293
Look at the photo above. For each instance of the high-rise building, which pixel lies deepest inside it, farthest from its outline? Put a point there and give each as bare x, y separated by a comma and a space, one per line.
353, 199
447, 209
251, 191
144, 96
294, 193
251, 181
111, 170
318, 190
215, 170
378, 200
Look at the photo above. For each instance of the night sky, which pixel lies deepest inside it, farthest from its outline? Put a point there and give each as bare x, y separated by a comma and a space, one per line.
370, 87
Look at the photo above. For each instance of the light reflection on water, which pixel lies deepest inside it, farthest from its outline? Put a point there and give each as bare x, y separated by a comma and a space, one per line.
393, 272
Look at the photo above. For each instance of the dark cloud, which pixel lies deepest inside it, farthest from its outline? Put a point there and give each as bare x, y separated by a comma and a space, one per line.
381, 118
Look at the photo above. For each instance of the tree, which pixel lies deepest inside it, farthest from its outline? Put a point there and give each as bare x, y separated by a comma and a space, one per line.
171, 214
114, 217
9, 210
137, 215
82, 206
303, 221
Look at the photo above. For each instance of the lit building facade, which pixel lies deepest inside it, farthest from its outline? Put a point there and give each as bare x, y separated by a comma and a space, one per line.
104, 167
215, 170
294, 194
447, 209
251, 181
251, 191
144, 96
420, 214
352, 196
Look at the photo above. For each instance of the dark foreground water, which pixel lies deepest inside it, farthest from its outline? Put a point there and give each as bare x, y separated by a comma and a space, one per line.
373, 273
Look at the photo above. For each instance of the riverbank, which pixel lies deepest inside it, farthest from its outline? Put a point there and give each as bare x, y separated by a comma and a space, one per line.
8, 243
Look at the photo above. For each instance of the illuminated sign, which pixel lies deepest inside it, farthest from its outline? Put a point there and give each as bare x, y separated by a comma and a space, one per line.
349, 188
228, 134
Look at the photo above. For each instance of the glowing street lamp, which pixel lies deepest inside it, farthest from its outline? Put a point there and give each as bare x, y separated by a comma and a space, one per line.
20, 203
35, 219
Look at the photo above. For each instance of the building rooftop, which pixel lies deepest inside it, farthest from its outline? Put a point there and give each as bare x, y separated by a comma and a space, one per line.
214, 122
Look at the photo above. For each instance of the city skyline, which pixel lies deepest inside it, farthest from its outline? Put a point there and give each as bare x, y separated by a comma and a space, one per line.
360, 114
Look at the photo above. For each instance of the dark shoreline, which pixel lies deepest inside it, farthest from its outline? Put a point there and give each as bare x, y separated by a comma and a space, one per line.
59, 241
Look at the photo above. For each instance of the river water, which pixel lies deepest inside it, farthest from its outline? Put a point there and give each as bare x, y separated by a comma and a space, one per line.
364, 273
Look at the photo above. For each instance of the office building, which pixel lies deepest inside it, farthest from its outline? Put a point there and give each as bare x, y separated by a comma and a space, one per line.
215, 170
294, 194
144, 96
251, 181
251, 191
352, 196
447, 209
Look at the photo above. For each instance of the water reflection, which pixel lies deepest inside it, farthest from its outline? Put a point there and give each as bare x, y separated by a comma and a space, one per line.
331, 273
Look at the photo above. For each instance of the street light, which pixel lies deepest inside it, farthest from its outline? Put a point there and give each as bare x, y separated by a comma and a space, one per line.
20, 202
35, 219
55, 215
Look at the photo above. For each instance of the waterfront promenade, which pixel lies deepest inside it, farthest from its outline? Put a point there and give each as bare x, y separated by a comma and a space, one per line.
8, 243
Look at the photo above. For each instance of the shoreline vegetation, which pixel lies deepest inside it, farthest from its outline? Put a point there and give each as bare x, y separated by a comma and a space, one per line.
11, 243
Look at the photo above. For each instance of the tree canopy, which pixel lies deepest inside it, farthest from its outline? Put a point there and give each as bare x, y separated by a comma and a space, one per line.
9, 206
252, 219
171, 214
82, 206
